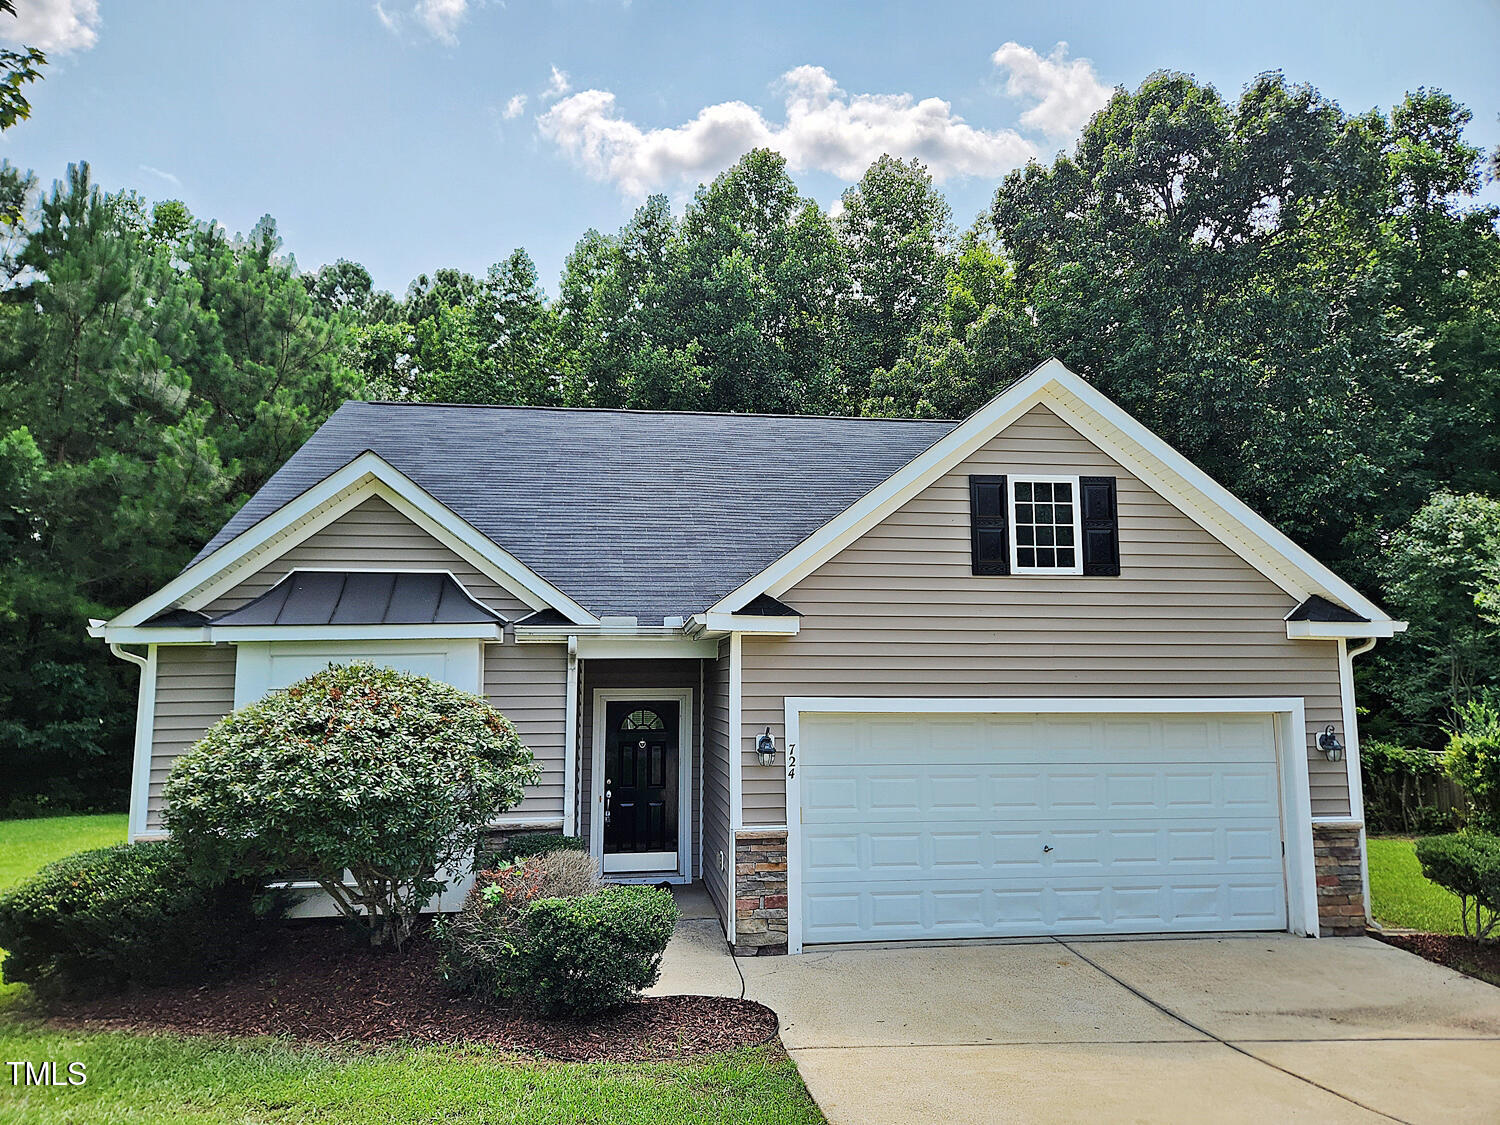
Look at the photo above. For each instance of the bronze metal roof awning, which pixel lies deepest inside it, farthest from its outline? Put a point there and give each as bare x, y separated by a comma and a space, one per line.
377, 597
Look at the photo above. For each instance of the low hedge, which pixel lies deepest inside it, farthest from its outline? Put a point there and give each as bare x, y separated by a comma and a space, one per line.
588, 954
128, 914
543, 933
1468, 864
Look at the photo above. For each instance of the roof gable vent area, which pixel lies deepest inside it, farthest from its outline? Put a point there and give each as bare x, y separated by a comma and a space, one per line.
378, 597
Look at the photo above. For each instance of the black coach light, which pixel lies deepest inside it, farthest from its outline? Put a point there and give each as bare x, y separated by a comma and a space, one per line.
765, 748
1329, 743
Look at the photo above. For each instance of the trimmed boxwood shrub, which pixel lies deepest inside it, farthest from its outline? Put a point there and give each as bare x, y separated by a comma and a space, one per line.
479, 943
128, 914
544, 934
592, 953
1468, 864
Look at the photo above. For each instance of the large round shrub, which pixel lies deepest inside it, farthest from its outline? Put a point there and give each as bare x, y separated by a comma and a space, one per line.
374, 783
128, 914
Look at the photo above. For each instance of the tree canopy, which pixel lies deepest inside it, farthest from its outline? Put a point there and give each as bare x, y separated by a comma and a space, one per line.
1303, 300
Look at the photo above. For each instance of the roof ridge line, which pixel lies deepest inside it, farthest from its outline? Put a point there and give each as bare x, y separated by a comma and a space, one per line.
641, 410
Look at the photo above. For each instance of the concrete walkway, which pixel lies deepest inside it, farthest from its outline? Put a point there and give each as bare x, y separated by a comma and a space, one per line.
697, 960
1238, 1028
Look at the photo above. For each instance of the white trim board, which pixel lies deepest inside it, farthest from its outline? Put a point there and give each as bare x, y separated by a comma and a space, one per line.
463, 661
1291, 763
366, 476
683, 697
1128, 441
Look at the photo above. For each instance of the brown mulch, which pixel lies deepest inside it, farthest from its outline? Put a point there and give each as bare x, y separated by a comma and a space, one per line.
1476, 959
319, 985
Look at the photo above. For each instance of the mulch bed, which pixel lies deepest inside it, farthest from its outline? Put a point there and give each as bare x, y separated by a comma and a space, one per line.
318, 985
1480, 960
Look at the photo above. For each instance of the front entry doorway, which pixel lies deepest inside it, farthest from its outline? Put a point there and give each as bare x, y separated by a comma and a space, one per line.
642, 784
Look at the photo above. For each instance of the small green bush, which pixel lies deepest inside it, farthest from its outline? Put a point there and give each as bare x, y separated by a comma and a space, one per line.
1473, 758
1468, 864
128, 914
479, 944
592, 953
540, 843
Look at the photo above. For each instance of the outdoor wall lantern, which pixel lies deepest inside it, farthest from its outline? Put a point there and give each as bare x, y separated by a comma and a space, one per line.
1329, 743
765, 748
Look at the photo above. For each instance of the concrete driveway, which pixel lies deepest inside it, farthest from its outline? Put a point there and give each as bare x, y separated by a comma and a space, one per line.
1238, 1028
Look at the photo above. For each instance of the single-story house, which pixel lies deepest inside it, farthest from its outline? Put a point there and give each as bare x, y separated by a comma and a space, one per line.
866, 679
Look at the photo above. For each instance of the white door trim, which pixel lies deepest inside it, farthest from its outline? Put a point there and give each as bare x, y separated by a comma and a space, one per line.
683, 697
1291, 767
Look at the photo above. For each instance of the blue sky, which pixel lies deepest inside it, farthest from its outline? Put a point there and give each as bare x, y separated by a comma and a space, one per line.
413, 134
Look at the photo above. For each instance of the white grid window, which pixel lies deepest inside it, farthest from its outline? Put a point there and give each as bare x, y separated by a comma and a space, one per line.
1044, 522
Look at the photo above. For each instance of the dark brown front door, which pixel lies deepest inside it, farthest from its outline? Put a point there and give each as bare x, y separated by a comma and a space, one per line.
640, 780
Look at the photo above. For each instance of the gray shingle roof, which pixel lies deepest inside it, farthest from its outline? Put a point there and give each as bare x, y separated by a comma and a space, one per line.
641, 513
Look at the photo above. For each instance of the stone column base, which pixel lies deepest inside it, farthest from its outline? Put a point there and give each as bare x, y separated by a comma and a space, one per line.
1341, 886
759, 893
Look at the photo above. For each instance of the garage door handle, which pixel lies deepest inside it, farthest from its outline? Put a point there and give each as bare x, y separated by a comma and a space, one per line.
1046, 847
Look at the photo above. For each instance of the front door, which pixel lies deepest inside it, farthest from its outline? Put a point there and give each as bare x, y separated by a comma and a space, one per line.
640, 787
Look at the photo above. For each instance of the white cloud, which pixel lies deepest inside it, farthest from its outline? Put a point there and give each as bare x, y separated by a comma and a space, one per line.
558, 85
439, 18
515, 107
442, 17
161, 175
826, 129
54, 25
1066, 91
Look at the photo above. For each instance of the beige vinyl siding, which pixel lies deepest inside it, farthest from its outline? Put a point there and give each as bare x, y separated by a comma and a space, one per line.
372, 536
645, 675
716, 791
898, 613
529, 685
194, 690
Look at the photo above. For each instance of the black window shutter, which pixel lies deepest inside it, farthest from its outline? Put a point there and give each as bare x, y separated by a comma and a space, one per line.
988, 526
1101, 525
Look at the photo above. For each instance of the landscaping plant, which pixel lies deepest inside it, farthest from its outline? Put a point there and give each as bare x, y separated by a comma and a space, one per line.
1468, 864
375, 784
538, 843
1473, 758
544, 933
1396, 778
128, 914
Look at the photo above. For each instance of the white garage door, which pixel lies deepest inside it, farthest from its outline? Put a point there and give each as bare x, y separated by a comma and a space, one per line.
947, 826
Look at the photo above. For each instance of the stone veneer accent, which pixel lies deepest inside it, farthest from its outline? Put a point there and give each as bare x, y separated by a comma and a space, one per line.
1341, 890
759, 893
494, 840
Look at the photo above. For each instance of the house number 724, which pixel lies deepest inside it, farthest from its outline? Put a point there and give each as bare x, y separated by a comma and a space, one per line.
791, 760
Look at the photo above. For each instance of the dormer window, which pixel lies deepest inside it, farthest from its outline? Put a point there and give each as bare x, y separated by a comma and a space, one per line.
1043, 524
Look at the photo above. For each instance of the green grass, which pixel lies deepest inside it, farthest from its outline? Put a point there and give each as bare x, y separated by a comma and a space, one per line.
1400, 895
150, 1079
153, 1078
26, 845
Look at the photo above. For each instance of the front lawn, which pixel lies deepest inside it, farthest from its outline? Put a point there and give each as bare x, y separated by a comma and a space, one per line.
27, 845
1400, 895
151, 1078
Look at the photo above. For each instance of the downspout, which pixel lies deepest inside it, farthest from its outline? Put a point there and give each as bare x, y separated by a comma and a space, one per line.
138, 661
1357, 779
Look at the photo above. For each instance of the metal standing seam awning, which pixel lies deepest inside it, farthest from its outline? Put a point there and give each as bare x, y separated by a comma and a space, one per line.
336, 597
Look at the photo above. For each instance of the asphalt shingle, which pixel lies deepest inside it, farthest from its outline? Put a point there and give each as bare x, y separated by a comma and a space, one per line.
648, 514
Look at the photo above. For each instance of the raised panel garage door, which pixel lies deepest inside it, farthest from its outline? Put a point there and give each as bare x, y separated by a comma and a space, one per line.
956, 825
